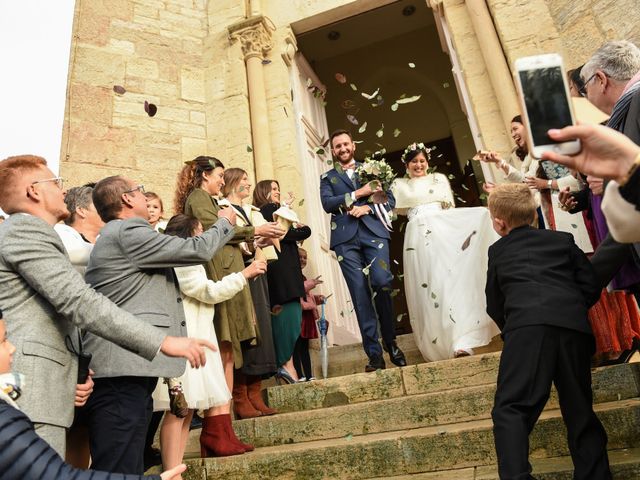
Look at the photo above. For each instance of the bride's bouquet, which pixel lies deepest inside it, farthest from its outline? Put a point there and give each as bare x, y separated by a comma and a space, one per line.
376, 170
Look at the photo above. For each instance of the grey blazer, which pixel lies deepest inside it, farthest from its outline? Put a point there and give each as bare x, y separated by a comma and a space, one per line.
44, 299
132, 264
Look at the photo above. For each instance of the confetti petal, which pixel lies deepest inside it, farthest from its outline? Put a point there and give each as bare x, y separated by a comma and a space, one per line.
249, 149
319, 151
415, 98
341, 78
467, 242
424, 285
119, 89
369, 97
334, 225
412, 65
362, 128
380, 132
353, 87
394, 107
301, 202
353, 120
396, 133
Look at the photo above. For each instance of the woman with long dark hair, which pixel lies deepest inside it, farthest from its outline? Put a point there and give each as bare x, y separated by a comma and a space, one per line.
286, 285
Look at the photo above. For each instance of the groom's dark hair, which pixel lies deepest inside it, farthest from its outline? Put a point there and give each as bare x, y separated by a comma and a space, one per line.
337, 133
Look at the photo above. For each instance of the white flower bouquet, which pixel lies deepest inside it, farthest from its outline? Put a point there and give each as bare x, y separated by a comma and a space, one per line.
376, 170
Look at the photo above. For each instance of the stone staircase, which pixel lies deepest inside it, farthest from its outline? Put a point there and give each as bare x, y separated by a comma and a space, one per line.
423, 421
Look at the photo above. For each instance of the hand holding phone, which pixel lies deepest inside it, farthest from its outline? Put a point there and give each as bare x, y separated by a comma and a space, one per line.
544, 97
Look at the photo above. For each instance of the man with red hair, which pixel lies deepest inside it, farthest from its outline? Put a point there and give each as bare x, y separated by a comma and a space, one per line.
47, 300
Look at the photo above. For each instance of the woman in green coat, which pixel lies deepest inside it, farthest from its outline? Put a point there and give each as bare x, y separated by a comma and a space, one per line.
199, 184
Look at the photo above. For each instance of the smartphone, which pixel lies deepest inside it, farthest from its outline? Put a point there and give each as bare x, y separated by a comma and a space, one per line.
544, 96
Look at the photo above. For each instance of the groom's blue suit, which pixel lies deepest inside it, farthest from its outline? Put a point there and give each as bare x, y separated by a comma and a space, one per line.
359, 242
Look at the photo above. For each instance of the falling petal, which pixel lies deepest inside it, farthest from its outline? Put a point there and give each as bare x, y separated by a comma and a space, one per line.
362, 128
394, 293
415, 98
383, 264
396, 262
266, 61
348, 199
434, 340
399, 317
573, 225
349, 436
433, 295
353, 87
409, 249
119, 89
451, 318
436, 305
334, 225
369, 97
150, 108
301, 202
464, 187
412, 65
380, 132
424, 285
249, 149
340, 258
329, 162
394, 107
353, 120
396, 133
333, 180
358, 141
309, 82
341, 78
319, 151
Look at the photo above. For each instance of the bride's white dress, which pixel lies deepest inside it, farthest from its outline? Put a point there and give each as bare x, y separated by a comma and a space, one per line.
445, 267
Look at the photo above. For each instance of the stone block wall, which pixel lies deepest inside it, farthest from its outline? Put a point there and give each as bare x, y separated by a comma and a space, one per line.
152, 48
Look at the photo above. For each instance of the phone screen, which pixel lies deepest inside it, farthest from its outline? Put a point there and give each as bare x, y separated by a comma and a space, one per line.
546, 101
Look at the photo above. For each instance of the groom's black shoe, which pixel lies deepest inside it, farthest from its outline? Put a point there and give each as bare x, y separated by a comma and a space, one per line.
376, 362
395, 354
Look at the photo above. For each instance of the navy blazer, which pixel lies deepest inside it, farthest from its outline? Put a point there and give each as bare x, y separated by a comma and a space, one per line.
334, 185
540, 277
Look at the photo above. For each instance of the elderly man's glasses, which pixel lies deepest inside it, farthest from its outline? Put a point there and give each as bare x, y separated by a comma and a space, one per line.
59, 181
583, 88
138, 188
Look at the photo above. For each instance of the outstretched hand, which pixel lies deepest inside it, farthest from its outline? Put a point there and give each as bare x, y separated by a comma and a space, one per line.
173, 473
190, 348
605, 153
229, 213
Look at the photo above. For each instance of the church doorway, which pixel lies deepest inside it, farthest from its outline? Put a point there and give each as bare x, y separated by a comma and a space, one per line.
384, 76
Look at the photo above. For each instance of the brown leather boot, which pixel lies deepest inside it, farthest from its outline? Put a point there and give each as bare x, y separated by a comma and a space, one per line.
254, 392
214, 439
232, 436
241, 404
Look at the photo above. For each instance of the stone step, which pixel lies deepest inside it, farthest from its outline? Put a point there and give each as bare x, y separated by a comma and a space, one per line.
398, 382
625, 465
403, 452
351, 359
413, 411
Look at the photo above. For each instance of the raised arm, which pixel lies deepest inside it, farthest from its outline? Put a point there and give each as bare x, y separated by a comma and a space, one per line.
147, 248
47, 270
195, 284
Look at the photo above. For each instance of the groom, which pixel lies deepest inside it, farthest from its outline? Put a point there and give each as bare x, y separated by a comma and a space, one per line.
360, 240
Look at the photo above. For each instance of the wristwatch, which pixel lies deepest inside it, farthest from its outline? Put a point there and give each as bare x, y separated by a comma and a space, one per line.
549, 184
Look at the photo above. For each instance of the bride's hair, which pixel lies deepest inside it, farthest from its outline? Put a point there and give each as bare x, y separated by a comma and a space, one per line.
414, 149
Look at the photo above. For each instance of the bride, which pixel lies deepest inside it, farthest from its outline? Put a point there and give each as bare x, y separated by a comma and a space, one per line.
445, 262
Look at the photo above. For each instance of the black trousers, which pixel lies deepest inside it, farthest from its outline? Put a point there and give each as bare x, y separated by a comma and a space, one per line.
532, 358
119, 412
302, 359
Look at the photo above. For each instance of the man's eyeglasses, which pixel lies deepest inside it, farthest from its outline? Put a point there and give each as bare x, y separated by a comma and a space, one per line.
138, 188
583, 88
59, 181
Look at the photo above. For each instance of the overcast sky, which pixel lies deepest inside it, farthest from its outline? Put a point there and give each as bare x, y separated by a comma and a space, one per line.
35, 41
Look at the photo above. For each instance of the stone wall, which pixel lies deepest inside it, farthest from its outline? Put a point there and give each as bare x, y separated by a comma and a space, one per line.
153, 49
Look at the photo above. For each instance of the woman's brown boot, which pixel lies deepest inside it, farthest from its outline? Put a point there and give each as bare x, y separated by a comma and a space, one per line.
254, 392
241, 404
215, 440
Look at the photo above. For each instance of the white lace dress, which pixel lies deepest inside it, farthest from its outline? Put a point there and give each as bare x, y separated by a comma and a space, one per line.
445, 267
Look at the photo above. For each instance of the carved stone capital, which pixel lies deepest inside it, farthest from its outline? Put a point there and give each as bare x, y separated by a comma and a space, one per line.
254, 35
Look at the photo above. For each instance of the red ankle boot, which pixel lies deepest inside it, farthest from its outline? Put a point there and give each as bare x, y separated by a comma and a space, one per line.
254, 392
214, 439
232, 436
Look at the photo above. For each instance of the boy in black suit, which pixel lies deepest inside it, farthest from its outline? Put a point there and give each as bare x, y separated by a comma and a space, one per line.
540, 286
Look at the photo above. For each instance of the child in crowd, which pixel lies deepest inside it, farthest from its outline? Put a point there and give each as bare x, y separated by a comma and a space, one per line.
156, 211
23, 454
309, 330
540, 286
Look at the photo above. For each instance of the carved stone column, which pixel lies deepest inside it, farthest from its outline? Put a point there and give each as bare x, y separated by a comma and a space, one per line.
254, 35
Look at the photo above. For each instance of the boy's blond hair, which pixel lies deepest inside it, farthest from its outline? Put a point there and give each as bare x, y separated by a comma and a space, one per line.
513, 203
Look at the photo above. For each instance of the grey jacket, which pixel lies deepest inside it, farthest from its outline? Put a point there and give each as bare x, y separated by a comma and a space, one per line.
44, 299
132, 264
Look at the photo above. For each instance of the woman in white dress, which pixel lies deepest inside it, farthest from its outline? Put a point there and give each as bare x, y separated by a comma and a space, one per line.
445, 262
205, 387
